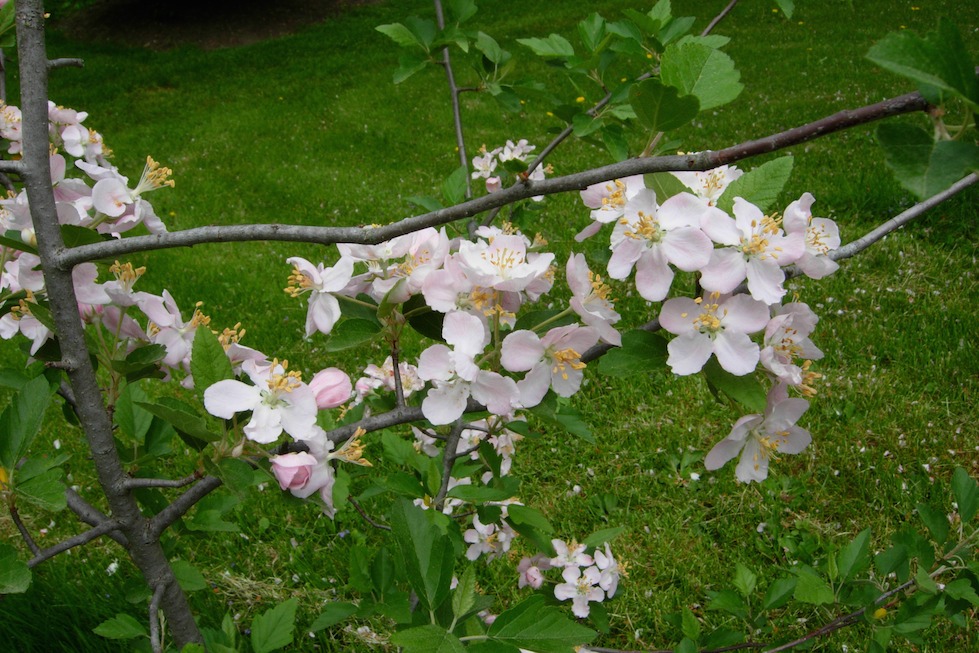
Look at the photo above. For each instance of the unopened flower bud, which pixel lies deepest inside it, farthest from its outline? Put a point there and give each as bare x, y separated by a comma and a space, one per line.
331, 387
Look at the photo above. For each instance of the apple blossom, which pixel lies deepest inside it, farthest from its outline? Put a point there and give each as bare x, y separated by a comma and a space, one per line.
709, 185
553, 361
713, 325
760, 438
758, 249
320, 282
570, 554
591, 299
786, 340
581, 587
331, 388
530, 571
488, 539
821, 237
608, 199
610, 568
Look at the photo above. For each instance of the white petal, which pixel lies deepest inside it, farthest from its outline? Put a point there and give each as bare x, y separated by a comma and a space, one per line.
689, 353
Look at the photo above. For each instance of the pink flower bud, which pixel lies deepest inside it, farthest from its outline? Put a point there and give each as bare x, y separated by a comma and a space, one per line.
493, 184
331, 387
293, 470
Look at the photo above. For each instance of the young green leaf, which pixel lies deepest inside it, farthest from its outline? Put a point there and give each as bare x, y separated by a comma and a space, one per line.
920, 163
537, 627
464, 595
332, 615
812, 589
15, 575
660, 107
760, 186
426, 550
121, 626
855, 557
273, 628
427, 639
966, 494
208, 363
696, 69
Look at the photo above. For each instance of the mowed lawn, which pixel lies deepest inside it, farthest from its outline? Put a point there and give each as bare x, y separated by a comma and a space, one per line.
309, 129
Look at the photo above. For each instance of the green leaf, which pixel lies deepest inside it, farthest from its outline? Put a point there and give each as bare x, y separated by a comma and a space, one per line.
13, 240
939, 60
925, 582
273, 628
350, 333
665, 184
476, 493
746, 390
744, 580
73, 235
461, 10
962, 589
454, 187
598, 538
856, 556
660, 107
426, 550
527, 516
568, 418
728, 601
592, 31
409, 63
642, 352
21, 420
426, 202
686, 644
787, 7
332, 615
189, 579
935, 521
690, 625
490, 48
382, 571
464, 595
696, 69
760, 186
966, 494
182, 417
15, 575
552, 47
46, 491
921, 164
779, 593
427, 639
208, 363
121, 626
537, 627
812, 589
133, 421
399, 34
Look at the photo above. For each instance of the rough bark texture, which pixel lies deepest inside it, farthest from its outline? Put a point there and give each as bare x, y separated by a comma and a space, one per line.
143, 545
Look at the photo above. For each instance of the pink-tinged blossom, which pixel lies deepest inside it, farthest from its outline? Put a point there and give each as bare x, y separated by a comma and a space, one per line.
300, 473
610, 568
331, 388
787, 342
531, 571
570, 554
608, 200
713, 325
450, 503
20, 320
758, 249
822, 236
397, 268
708, 186
591, 299
455, 375
761, 438
650, 237
278, 400
503, 264
487, 539
320, 282
553, 361
168, 328
484, 165
581, 587
376, 378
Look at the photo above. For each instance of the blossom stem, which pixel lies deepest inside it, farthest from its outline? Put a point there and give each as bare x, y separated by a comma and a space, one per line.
553, 318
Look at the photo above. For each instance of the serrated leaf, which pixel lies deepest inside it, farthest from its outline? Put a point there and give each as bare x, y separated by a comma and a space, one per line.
121, 626
464, 595
426, 202
454, 186
74, 235
855, 557
939, 60
728, 601
46, 491
189, 579
812, 589
182, 417
208, 363
962, 589
598, 538
660, 107
935, 521
779, 593
273, 628
746, 390
690, 625
665, 185
427, 639
399, 34
332, 615
409, 63
925, 582
15, 576
966, 494
642, 352
351, 333
461, 10
921, 164
537, 627
787, 7
760, 186
426, 550
21, 420
490, 48
592, 31
705, 72
552, 47
564, 416
744, 580
132, 420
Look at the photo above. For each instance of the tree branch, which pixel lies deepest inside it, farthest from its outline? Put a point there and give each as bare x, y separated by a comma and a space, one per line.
182, 504
449, 456
154, 609
66, 258
91, 515
718, 18
367, 518
24, 533
456, 109
66, 63
16, 167
103, 528
132, 483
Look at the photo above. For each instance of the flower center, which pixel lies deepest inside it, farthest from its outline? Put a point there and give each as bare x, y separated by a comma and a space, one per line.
616, 195
647, 229
565, 358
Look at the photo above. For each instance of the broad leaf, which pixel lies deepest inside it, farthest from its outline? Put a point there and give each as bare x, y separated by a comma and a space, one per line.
744, 580
332, 615
21, 420
426, 550
427, 639
464, 596
598, 538
15, 576
642, 352
760, 186
552, 47
935, 521
454, 187
966, 494
133, 421
46, 491
189, 579
746, 390
696, 69
409, 63
779, 593
273, 628
855, 557
208, 363
660, 107
812, 589
350, 333
921, 164
121, 626
534, 626
182, 417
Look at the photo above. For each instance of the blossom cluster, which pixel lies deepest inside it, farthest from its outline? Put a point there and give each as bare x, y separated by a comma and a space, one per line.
587, 577
512, 157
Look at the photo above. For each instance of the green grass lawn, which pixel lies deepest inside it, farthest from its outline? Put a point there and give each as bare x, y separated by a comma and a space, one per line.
309, 129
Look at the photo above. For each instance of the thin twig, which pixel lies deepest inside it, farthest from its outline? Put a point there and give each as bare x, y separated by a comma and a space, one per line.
718, 18
66, 62
132, 483
104, 528
367, 518
155, 642
399, 390
456, 109
91, 515
449, 457
24, 533
182, 504
696, 161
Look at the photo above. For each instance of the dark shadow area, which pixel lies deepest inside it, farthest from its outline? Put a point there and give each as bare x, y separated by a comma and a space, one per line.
208, 24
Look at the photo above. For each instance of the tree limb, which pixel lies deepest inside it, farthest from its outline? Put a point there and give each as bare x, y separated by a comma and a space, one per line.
367, 518
182, 504
91, 515
154, 610
132, 483
66, 258
104, 528
718, 18
24, 533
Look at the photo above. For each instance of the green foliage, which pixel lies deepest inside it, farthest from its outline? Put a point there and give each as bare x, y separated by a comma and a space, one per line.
121, 626
761, 186
702, 71
923, 165
538, 627
208, 364
425, 548
15, 576
660, 107
273, 629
